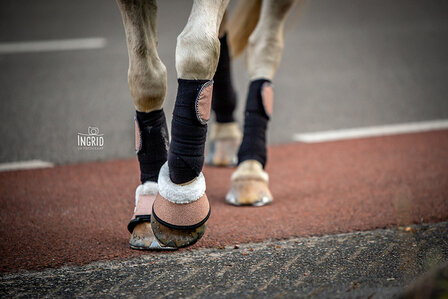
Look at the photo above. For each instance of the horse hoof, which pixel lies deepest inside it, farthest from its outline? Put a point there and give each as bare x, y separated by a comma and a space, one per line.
224, 143
179, 225
176, 238
142, 236
180, 212
249, 193
249, 186
222, 153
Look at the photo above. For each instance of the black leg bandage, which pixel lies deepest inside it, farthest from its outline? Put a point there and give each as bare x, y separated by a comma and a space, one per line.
189, 129
152, 143
224, 96
256, 117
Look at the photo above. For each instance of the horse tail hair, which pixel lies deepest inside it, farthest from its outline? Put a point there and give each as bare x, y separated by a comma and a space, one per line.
241, 25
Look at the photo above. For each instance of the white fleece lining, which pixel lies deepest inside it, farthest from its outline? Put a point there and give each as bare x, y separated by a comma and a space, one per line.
148, 188
177, 193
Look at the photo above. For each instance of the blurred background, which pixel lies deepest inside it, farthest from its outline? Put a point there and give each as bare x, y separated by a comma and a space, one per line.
346, 64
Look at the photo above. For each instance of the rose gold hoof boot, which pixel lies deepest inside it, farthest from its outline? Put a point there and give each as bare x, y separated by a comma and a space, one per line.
225, 140
179, 225
142, 237
180, 212
249, 185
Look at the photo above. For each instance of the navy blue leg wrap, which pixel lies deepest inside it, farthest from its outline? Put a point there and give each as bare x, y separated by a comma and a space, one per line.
186, 154
224, 96
253, 146
152, 153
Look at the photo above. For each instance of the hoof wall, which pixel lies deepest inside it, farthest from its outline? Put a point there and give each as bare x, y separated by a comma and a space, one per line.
224, 143
142, 238
223, 152
249, 192
176, 238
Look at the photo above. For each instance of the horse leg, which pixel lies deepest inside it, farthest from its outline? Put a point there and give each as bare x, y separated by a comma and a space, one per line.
225, 137
181, 208
249, 183
147, 84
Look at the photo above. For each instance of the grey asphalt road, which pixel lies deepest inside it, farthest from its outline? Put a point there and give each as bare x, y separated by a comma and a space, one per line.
346, 64
373, 264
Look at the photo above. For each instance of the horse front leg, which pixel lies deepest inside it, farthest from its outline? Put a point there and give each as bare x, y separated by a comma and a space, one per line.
249, 183
147, 84
181, 208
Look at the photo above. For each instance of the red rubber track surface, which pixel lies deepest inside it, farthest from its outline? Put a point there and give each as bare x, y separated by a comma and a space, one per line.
75, 214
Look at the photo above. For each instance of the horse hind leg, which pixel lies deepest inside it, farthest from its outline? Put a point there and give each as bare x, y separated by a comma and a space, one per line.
249, 183
147, 85
225, 137
181, 209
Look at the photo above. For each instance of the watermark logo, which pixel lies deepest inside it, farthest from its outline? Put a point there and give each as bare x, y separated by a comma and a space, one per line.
93, 140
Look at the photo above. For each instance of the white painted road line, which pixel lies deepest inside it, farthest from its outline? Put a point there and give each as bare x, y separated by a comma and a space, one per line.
371, 131
31, 164
53, 45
